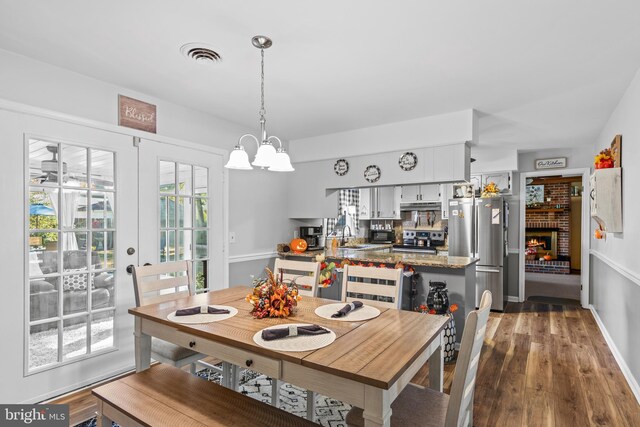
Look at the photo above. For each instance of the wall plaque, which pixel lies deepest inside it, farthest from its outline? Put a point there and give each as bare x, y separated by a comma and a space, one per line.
136, 114
555, 163
341, 167
408, 161
372, 173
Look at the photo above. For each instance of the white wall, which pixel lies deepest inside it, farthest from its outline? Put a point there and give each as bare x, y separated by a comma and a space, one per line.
429, 131
493, 159
257, 208
577, 157
615, 286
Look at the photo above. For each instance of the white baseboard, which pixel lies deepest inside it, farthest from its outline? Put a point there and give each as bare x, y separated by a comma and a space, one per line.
252, 257
633, 384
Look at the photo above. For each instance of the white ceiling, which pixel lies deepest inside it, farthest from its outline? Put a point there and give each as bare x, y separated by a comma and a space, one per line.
541, 73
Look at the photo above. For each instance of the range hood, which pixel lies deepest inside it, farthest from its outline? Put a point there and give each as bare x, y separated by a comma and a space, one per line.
420, 206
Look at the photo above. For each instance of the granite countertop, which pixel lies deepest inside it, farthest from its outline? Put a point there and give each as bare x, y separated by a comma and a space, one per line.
382, 254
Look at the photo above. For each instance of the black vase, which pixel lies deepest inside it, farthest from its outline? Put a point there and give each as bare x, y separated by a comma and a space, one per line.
438, 297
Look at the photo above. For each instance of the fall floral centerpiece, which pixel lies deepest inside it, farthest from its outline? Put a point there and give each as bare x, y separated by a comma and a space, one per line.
490, 190
603, 159
272, 297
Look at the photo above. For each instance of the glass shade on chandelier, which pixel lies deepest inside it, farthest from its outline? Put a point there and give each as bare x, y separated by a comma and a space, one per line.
267, 156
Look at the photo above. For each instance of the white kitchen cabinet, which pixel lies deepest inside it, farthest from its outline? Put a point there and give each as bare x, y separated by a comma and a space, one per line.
502, 179
380, 203
420, 193
365, 203
606, 199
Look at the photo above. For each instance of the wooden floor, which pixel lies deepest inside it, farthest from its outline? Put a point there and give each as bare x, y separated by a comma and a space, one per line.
541, 365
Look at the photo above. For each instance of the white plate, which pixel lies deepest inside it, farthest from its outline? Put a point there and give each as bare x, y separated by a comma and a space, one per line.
204, 317
366, 312
297, 343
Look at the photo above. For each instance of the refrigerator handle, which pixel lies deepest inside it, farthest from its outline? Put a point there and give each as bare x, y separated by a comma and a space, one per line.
487, 270
475, 229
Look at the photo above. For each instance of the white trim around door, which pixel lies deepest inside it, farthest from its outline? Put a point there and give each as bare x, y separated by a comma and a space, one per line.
585, 226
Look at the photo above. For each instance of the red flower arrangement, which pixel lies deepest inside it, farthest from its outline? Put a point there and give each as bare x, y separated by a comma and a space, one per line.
271, 297
424, 309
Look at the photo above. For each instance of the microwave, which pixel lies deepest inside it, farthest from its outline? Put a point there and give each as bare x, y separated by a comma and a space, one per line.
382, 236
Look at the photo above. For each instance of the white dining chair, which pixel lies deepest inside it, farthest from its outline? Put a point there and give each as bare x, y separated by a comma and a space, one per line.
165, 282
381, 287
420, 406
305, 274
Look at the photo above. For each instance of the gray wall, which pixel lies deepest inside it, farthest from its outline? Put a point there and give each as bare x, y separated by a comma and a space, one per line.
615, 296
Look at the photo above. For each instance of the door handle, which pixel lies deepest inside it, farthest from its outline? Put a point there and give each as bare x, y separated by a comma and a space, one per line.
487, 270
146, 264
130, 268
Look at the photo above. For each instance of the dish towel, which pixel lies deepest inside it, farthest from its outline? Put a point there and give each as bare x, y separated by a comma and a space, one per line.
201, 310
292, 331
347, 308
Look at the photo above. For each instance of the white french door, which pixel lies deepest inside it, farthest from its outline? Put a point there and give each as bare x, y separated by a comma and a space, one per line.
181, 210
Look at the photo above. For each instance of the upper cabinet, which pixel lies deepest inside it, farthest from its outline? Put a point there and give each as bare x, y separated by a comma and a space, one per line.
503, 180
380, 203
420, 193
451, 163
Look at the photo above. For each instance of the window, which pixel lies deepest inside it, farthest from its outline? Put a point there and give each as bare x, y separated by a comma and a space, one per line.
184, 222
348, 213
71, 266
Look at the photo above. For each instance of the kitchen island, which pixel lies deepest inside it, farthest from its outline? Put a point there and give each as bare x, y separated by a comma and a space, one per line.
459, 273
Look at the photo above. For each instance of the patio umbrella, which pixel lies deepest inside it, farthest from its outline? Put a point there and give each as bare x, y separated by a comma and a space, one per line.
40, 209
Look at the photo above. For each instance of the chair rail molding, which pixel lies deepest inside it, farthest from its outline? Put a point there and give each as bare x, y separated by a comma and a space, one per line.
634, 277
252, 257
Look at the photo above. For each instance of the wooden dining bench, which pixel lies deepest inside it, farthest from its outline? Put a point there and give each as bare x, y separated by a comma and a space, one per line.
167, 396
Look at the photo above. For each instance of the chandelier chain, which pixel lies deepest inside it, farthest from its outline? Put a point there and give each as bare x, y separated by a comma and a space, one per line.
262, 110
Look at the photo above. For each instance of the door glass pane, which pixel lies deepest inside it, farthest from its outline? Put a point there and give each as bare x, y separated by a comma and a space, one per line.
102, 170
75, 293
184, 245
184, 179
43, 162
200, 275
42, 214
74, 209
75, 161
43, 298
167, 177
171, 245
74, 256
102, 331
171, 212
163, 211
163, 246
44, 246
201, 241
201, 212
43, 344
74, 337
200, 181
102, 249
184, 212
102, 209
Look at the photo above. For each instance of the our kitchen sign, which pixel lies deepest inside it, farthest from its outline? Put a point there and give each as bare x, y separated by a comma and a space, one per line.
136, 114
555, 163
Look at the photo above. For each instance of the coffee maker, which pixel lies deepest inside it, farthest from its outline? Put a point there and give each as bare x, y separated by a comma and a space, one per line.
312, 235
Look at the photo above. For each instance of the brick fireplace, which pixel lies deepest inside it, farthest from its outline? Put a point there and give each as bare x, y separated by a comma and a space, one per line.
548, 227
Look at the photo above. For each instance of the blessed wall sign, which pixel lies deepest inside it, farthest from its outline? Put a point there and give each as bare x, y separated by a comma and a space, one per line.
136, 114
555, 163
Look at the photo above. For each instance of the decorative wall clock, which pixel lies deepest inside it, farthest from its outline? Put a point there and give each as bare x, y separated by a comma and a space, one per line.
372, 173
408, 161
341, 167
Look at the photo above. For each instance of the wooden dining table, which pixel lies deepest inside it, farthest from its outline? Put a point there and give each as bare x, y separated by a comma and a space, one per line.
368, 364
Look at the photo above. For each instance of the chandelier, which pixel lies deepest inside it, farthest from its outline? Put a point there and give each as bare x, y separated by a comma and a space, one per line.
267, 155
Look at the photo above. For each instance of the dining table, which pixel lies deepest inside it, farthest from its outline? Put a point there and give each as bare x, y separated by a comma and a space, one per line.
368, 365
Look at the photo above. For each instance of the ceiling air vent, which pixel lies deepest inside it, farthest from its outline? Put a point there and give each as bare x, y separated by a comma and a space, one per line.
200, 53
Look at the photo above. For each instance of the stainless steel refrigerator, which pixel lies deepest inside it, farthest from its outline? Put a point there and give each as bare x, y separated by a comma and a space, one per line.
478, 228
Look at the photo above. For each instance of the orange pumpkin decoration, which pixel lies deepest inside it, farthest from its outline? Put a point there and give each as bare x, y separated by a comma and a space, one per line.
298, 245
547, 257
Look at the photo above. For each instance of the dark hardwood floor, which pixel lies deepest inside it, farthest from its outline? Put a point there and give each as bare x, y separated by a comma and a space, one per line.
542, 364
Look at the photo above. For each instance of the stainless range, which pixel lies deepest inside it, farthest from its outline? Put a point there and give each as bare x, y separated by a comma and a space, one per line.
419, 241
